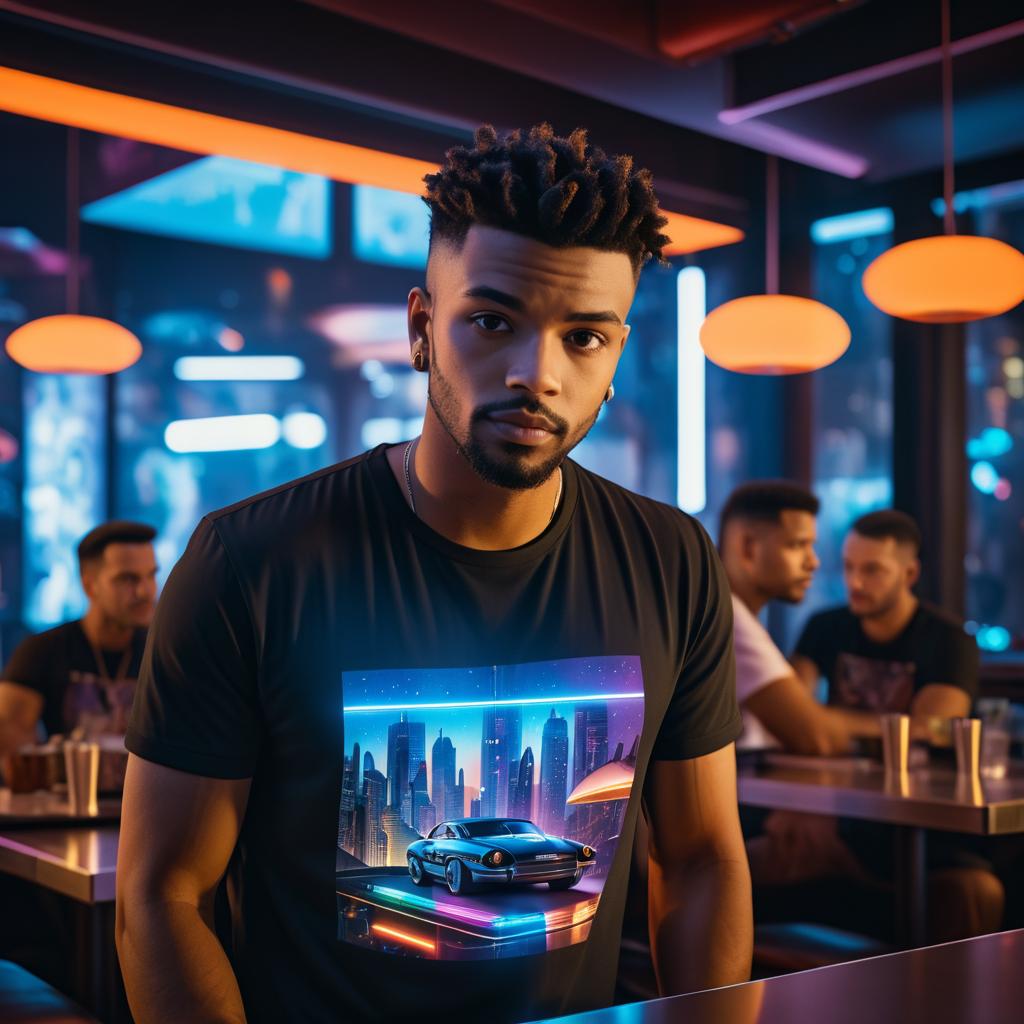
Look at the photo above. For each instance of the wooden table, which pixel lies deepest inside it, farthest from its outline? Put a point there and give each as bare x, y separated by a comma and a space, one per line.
925, 798
80, 863
976, 981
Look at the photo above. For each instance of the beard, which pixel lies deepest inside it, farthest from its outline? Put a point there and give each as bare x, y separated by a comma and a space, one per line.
511, 470
880, 607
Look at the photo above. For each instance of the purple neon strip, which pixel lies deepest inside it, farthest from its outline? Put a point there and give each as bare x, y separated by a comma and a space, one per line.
864, 76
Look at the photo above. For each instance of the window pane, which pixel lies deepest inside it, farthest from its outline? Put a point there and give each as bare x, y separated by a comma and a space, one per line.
995, 453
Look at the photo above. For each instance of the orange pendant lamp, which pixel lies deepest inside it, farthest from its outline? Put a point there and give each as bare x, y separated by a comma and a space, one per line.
70, 342
947, 278
774, 334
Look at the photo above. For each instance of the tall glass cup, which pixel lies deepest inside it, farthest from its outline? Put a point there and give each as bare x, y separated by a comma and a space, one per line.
82, 763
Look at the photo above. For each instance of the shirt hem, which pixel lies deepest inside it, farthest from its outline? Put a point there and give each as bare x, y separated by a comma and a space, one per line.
705, 745
192, 762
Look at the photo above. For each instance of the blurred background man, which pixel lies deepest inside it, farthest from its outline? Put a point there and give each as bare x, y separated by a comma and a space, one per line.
887, 651
81, 675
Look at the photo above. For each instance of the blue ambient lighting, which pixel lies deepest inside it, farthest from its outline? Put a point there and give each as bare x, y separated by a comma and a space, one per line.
691, 370
304, 429
223, 433
993, 638
984, 477
989, 444
495, 703
389, 227
239, 368
979, 198
227, 202
847, 226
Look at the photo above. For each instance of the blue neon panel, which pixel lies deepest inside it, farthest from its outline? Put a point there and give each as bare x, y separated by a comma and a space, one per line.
389, 227
227, 202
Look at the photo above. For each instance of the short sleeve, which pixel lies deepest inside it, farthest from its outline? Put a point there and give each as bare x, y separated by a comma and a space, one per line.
811, 646
953, 660
29, 666
758, 661
196, 705
703, 715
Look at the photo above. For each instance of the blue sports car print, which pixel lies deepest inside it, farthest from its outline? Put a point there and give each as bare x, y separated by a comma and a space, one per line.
469, 852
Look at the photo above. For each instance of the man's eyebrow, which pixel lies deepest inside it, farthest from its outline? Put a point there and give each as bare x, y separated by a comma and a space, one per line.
496, 295
605, 316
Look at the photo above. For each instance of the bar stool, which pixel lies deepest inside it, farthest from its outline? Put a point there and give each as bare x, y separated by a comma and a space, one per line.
25, 999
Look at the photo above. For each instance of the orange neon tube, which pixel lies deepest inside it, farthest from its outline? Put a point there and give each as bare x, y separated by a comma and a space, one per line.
193, 131
409, 940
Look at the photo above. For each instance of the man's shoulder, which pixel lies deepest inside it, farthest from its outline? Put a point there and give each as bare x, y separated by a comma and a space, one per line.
39, 648
294, 495
940, 622
662, 519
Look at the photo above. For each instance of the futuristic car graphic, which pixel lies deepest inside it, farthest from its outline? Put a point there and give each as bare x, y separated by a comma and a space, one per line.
469, 852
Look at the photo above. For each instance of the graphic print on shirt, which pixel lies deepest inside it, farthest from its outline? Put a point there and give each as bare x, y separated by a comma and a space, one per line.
871, 684
481, 807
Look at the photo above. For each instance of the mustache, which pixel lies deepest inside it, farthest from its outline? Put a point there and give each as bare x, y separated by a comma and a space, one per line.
531, 406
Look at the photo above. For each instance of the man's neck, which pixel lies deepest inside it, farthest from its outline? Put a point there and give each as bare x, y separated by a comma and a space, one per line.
748, 594
103, 632
452, 499
884, 628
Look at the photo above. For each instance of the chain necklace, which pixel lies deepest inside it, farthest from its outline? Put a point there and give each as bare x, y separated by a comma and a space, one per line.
412, 500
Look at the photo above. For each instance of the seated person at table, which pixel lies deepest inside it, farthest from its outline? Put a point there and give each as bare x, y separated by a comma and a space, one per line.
81, 675
766, 537
886, 650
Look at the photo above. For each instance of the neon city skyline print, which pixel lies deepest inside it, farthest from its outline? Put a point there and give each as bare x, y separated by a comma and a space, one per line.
481, 807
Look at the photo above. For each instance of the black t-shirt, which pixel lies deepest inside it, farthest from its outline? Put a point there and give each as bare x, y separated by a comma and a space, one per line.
377, 680
60, 665
862, 674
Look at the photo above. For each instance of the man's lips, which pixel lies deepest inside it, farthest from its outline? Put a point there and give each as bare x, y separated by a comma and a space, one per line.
522, 428
518, 418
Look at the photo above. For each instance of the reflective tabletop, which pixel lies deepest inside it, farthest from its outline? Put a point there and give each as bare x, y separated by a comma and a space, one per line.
47, 808
77, 862
977, 981
925, 797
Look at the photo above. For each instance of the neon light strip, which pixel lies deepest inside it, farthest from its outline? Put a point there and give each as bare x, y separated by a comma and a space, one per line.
239, 368
409, 940
443, 924
522, 702
845, 226
468, 913
223, 433
129, 117
691, 367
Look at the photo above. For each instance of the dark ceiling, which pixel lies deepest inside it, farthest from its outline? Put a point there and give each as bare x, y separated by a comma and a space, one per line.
851, 87
855, 86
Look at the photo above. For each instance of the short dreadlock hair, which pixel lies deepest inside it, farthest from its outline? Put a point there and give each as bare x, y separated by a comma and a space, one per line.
558, 190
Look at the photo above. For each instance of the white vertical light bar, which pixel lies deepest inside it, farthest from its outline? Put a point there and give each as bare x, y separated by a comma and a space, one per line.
691, 465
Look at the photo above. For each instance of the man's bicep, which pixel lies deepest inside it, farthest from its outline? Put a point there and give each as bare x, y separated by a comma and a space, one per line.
691, 808
178, 832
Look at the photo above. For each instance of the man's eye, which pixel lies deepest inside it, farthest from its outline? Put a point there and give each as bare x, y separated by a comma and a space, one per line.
491, 323
587, 341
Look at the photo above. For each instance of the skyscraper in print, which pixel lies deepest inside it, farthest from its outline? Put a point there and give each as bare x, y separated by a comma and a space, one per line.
554, 772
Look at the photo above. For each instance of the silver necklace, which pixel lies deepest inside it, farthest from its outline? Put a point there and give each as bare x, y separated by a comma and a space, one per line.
412, 500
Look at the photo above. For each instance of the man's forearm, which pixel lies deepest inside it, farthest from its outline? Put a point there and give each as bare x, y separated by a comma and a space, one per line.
174, 967
701, 924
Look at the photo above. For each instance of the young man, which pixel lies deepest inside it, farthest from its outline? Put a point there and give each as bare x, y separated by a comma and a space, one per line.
566, 642
887, 650
82, 674
766, 537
